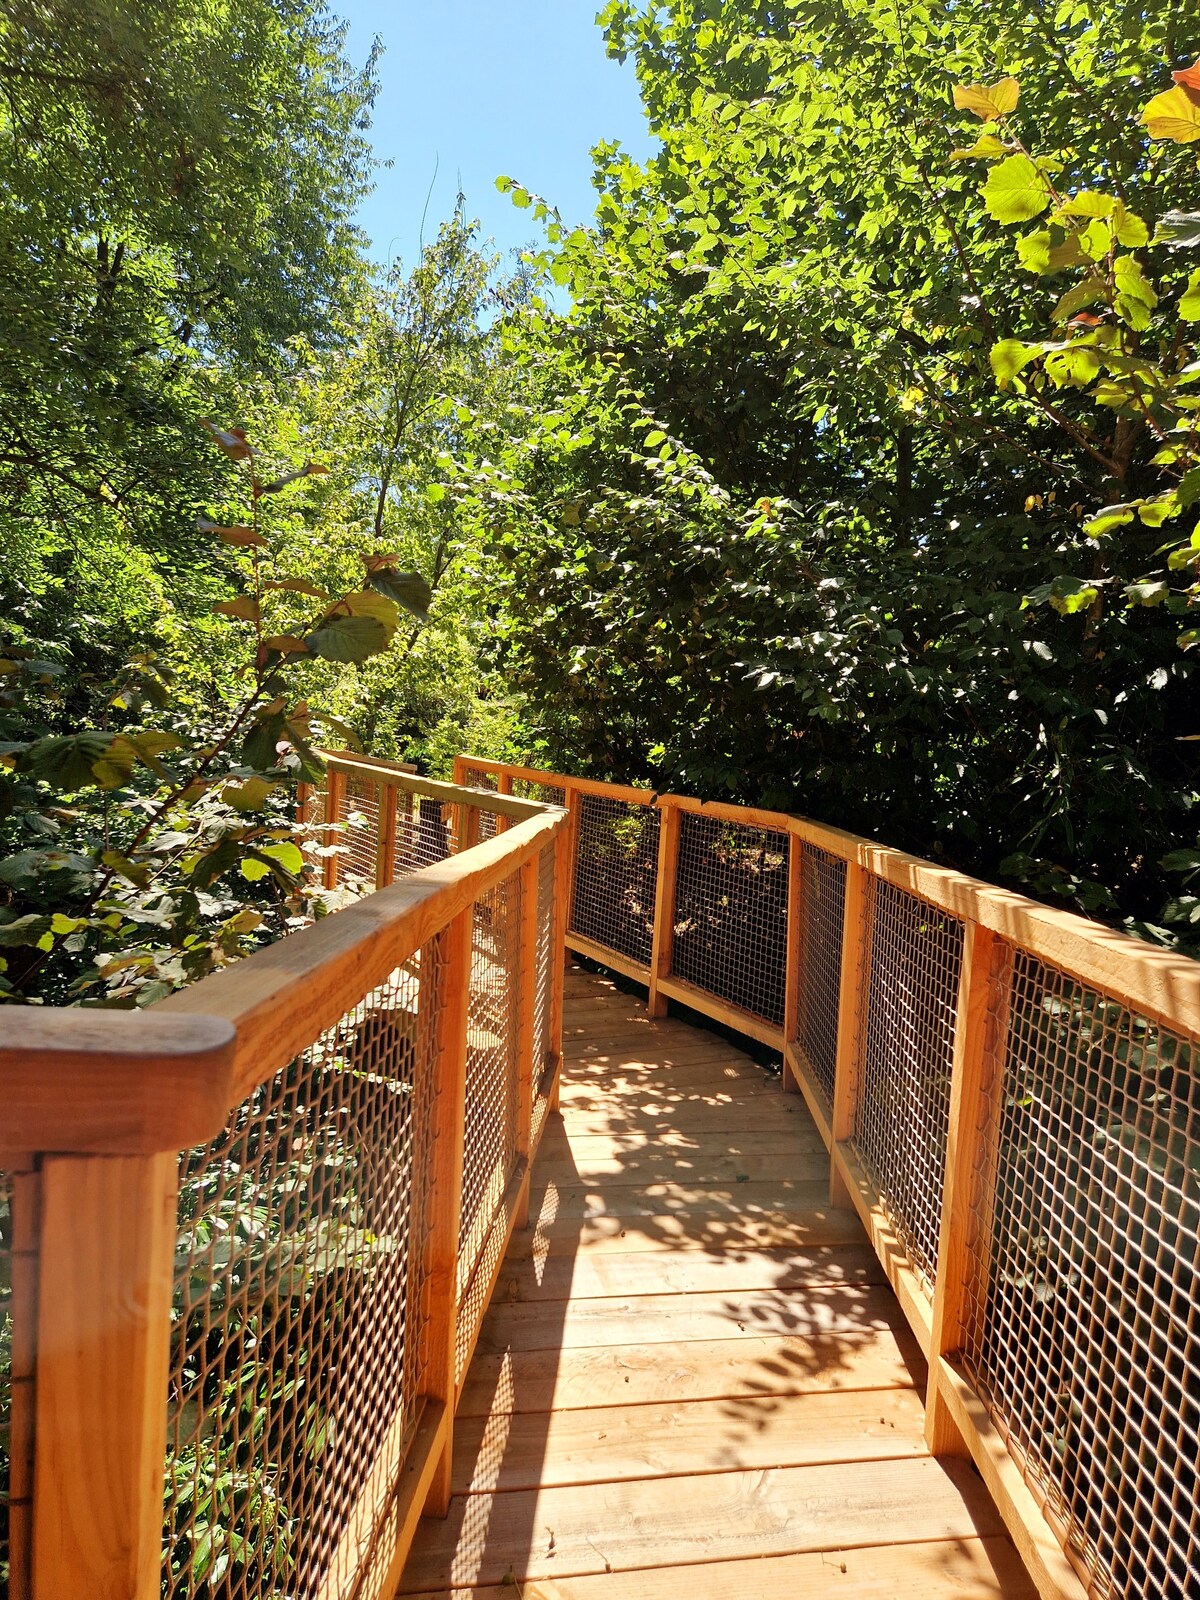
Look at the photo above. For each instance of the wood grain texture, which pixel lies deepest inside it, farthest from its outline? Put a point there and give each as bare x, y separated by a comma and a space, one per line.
679, 1368
968, 1569
663, 1522
104, 1330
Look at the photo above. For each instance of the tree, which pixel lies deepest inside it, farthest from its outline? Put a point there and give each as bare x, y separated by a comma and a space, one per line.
775, 500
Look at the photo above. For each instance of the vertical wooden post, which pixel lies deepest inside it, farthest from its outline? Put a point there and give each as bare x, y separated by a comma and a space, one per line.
104, 1337
852, 1001
976, 1081
25, 1191
335, 791
468, 836
663, 944
304, 798
791, 989
443, 1198
527, 1064
573, 800
385, 857
504, 785
562, 883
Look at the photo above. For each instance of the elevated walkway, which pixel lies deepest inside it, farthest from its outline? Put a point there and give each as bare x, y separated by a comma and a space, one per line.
694, 1380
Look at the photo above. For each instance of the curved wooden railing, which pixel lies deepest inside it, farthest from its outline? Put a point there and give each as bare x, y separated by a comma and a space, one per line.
1011, 1100
250, 1233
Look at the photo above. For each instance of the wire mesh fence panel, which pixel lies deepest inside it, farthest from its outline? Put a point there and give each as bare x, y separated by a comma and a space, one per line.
358, 814
424, 833
295, 1349
822, 913
1085, 1331
490, 1149
616, 873
731, 892
913, 960
475, 779
547, 794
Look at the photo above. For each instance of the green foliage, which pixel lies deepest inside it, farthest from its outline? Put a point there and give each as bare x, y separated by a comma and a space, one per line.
142, 841
807, 508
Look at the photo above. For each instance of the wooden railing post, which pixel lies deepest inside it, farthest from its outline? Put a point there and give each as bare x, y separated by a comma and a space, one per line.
107, 1249
439, 1322
385, 857
528, 1067
335, 789
791, 987
573, 800
663, 944
504, 785
851, 1014
562, 890
23, 1265
975, 1080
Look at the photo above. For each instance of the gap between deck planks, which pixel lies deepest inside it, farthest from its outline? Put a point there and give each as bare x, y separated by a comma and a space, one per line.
693, 1381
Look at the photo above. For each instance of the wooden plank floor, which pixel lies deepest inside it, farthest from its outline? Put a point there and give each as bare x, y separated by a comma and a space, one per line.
693, 1383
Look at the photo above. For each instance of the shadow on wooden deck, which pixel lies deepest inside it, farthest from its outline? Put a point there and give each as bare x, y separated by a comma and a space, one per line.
694, 1381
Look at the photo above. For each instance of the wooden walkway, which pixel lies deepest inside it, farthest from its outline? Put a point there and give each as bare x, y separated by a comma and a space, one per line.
693, 1383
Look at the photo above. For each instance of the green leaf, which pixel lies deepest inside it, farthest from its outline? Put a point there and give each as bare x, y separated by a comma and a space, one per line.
286, 854
1189, 304
1015, 191
1009, 357
1178, 230
253, 870
408, 589
78, 760
348, 638
1108, 519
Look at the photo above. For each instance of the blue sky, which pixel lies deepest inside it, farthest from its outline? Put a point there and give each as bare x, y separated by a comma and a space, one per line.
476, 89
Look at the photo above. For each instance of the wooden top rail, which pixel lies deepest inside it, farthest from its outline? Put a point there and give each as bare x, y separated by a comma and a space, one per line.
139, 1083
505, 805
1157, 984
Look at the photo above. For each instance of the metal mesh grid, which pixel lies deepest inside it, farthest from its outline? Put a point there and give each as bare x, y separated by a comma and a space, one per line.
474, 779
616, 875
822, 913
6, 1333
295, 1361
358, 814
731, 892
490, 1150
424, 833
547, 794
1085, 1338
914, 955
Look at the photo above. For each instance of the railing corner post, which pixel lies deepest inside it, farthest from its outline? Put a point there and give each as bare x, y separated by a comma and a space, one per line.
528, 1068
662, 947
106, 1278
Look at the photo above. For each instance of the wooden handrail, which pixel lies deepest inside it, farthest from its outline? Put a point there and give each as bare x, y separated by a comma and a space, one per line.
505, 805
135, 1083
1157, 983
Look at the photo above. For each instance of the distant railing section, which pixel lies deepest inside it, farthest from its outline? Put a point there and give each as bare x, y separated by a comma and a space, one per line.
247, 1236
1011, 1099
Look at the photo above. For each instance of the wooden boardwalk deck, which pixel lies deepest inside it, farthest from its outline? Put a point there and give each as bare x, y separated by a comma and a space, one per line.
693, 1383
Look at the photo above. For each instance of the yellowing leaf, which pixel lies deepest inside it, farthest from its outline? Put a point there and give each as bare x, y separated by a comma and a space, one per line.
986, 148
1008, 357
1015, 191
286, 644
1173, 115
299, 586
244, 607
988, 102
240, 536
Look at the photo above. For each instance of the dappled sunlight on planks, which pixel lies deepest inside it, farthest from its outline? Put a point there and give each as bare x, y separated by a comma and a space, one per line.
694, 1380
